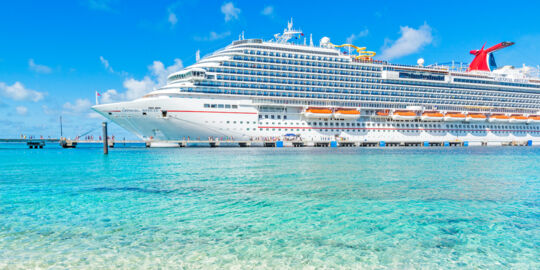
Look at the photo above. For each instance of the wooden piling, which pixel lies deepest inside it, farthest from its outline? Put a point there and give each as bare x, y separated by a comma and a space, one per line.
105, 141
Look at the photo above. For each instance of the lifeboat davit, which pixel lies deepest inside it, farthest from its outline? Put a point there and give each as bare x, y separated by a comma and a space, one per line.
432, 116
404, 115
518, 118
317, 113
499, 118
534, 119
476, 117
454, 117
346, 114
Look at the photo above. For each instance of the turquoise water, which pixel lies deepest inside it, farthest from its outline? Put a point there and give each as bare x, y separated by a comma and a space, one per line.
262, 208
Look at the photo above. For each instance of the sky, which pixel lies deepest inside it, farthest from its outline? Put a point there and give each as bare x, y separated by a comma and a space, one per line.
54, 55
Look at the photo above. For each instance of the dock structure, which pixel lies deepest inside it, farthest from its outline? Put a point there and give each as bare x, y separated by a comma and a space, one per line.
313, 143
67, 143
35, 144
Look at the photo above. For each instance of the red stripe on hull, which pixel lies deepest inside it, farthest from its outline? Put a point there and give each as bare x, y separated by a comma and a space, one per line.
211, 112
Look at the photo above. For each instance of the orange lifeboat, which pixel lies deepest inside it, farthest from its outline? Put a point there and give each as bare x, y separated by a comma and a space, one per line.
499, 118
404, 115
432, 116
476, 117
533, 119
346, 114
383, 113
454, 117
317, 113
518, 118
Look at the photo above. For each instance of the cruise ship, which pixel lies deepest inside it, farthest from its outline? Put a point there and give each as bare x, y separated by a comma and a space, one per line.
288, 87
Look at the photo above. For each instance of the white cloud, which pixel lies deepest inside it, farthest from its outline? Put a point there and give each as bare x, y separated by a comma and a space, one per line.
172, 19
110, 96
230, 11
17, 91
214, 36
80, 105
99, 4
411, 41
21, 110
38, 68
354, 37
106, 64
95, 115
268, 11
161, 72
48, 110
137, 88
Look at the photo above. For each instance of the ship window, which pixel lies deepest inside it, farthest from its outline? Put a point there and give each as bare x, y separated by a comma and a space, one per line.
164, 113
144, 113
227, 106
235, 106
213, 105
221, 106
207, 105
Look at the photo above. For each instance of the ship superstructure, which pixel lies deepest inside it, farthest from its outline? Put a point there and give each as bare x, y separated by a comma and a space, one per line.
269, 89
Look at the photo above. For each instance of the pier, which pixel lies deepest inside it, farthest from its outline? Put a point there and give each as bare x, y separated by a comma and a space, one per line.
68, 143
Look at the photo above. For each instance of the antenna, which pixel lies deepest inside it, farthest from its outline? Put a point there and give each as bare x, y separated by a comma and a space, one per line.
288, 33
198, 56
61, 131
242, 35
311, 40
290, 24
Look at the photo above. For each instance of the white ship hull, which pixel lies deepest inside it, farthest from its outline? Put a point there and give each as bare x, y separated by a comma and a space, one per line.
346, 116
454, 119
187, 118
497, 120
403, 118
431, 118
471, 119
317, 115
256, 89
519, 121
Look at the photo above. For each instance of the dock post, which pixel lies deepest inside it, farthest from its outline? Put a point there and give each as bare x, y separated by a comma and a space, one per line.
105, 141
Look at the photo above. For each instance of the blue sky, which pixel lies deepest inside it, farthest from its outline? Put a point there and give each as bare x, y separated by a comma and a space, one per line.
55, 54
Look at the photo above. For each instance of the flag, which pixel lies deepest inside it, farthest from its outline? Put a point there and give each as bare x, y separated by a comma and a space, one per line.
98, 94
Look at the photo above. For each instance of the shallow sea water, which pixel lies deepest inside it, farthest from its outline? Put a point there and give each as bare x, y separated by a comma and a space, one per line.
280, 208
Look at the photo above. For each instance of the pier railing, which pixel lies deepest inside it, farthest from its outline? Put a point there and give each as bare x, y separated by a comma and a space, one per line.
264, 142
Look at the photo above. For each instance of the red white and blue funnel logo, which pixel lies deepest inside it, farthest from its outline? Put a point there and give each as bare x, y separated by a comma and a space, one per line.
484, 59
